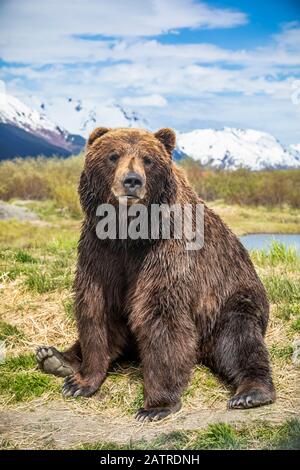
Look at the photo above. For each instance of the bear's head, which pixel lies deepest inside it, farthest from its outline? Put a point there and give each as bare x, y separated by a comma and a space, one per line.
128, 166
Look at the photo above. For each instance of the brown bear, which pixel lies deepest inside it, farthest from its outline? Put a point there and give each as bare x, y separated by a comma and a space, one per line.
153, 299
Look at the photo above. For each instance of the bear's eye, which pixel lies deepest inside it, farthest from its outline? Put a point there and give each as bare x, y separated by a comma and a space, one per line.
114, 157
148, 161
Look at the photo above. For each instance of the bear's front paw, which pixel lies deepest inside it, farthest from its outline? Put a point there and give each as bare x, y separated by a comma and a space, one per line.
250, 399
76, 386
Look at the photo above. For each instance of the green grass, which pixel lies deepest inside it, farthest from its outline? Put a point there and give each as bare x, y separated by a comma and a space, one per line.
218, 436
68, 305
282, 289
9, 332
24, 257
281, 352
287, 436
20, 381
288, 311
258, 219
277, 255
39, 260
295, 326
282, 281
123, 389
43, 269
21, 363
23, 386
50, 281
28, 236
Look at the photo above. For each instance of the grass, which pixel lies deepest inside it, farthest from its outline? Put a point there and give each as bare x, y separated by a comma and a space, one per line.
258, 219
9, 332
19, 380
296, 324
220, 436
23, 386
36, 307
278, 255
282, 289
48, 265
281, 352
21, 363
68, 305
23, 256
49, 280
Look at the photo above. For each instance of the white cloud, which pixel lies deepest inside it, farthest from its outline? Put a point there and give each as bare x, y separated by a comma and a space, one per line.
42, 33
289, 37
183, 84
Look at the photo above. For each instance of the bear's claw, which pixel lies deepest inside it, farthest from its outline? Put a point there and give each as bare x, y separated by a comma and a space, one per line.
250, 399
52, 361
73, 388
153, 414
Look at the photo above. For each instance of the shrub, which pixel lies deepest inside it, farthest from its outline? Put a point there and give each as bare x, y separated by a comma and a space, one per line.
43, 178
268, 188
57, 179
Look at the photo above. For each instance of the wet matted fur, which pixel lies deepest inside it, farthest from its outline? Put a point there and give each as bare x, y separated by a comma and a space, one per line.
168, 307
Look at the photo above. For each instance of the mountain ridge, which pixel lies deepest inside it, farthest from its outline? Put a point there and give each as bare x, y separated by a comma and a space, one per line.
24, 131
233, 148
39, 127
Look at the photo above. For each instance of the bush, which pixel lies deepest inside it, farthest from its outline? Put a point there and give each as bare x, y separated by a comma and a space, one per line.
57, 179
245, 187
43, 178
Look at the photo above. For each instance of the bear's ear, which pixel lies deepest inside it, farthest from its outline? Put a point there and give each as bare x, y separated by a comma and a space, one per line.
167, 137
98, 132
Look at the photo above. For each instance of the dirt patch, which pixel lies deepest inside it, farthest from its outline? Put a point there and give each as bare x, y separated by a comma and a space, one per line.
57, 425
11, 211
21, 214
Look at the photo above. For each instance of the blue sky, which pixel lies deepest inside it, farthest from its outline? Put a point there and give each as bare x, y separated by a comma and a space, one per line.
180, 63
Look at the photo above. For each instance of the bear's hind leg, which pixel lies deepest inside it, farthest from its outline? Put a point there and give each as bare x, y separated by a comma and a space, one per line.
240, 357
61, 364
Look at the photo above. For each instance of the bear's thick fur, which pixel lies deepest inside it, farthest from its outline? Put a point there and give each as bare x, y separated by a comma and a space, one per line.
170, 307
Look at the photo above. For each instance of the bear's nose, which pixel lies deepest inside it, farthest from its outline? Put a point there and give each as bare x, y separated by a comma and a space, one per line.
132, 182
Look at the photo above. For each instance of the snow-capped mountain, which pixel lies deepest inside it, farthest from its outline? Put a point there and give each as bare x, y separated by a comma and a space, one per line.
231, 148
24, 131
32, 130
82, 116
295, 148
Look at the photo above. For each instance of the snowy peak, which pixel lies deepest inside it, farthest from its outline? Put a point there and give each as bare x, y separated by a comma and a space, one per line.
295, 148
82, 116
232, 148
25, 131
39, 127
13, 111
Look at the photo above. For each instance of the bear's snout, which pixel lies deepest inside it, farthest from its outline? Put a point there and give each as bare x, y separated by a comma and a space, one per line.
132, 183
